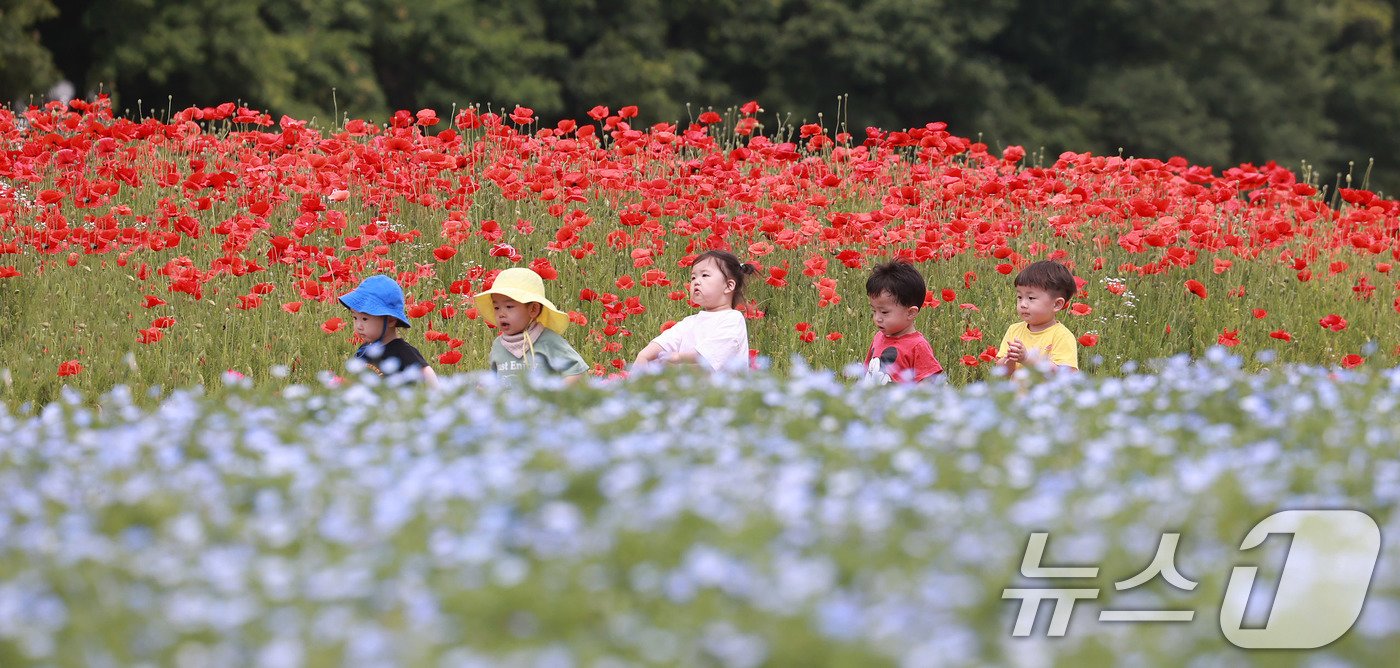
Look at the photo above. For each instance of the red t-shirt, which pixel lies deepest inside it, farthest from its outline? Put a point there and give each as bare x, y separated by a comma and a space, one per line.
914, 354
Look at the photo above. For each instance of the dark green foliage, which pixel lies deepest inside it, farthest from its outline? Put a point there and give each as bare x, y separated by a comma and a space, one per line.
25, 65
1215, 82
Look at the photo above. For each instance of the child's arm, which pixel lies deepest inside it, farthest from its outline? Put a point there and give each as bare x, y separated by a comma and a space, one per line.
430, 378
648, 354
687, 357
653, 352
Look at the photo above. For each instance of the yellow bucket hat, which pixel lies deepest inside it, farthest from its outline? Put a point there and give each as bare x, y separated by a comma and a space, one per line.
526, 287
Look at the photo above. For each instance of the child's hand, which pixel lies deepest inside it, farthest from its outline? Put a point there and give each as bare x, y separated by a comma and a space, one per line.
1016, 352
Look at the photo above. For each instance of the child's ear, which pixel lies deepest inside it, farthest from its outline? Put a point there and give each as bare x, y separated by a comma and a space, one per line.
912, 311
729, 286
1060, 303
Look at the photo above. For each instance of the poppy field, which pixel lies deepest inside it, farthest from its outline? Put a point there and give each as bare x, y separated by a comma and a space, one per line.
169, 251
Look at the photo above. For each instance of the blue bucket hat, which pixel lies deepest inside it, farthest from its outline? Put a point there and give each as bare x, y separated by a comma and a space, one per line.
377, 295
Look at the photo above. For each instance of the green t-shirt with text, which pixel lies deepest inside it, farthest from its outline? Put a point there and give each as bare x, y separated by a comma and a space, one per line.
552, 354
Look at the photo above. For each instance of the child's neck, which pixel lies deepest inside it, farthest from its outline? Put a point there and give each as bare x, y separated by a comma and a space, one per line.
389, 336
717, 309
1036, 329
909, 330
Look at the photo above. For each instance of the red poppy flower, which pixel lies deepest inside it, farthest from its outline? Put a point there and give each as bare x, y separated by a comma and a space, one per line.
291, 307
1281, 335
1229, 338
450, 357
1259, 313
1352, 361
543, 267
70, 368
153, 301
709, 118
444, 253
777, 277
522, 115
1196, 288
1088, 340
1333, 322
833, 336
1080, 308
969, 360
333, 325
972, 334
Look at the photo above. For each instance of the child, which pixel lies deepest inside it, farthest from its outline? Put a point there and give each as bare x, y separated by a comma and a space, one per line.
899, 351
1042, 290
530, 328
717, 337
378, 311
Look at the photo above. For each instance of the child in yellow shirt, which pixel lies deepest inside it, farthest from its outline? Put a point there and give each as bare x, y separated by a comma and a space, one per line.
1042, 290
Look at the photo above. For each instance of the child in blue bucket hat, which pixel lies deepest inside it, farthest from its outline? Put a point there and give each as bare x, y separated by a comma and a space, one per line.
377, 310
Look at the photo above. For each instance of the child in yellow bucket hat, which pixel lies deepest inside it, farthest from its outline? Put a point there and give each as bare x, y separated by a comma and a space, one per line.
530, 327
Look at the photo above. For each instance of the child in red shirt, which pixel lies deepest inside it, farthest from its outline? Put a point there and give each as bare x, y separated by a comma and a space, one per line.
899, 352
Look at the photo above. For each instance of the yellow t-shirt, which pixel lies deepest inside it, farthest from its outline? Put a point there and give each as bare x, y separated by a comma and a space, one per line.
1055, 343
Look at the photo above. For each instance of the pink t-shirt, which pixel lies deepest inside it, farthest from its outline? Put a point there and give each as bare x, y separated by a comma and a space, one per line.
915, 354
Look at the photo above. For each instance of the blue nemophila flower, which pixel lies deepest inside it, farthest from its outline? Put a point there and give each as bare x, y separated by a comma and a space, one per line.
396, 526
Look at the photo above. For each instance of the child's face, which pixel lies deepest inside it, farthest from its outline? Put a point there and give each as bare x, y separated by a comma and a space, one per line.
708, 286
370, 327
889, 316
513, 317
1036, 306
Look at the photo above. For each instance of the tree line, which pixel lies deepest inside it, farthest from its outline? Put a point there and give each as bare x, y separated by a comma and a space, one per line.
1216, 82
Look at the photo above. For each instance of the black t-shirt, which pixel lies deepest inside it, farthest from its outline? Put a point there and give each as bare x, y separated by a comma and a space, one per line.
392, 358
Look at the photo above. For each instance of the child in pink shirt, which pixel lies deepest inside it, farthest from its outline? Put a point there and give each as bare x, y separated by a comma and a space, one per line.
899, 352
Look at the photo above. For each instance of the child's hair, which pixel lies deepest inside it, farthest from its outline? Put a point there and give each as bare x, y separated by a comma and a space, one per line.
1050, 276
901, 280
732, 269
